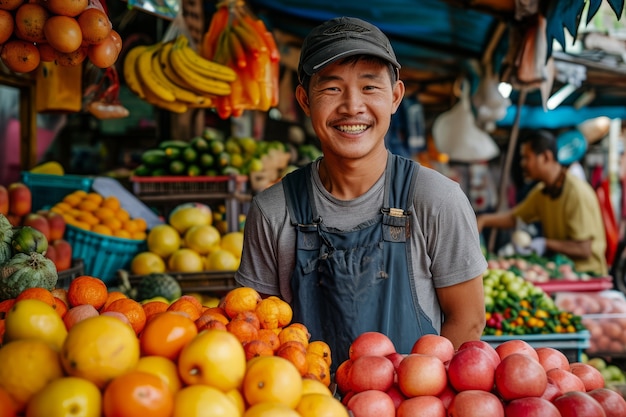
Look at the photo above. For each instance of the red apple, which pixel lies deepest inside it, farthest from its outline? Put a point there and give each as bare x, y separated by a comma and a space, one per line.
591, 377
57, 225
395, 358
20, 199
119, 315
476, 403
552, 390
372, 403
424, 405
396, 395
421, 375
51, 253
578, 404
79, 313
371, 372
64, 254
346, 397
434, 344
518, 375
531, 407
447, 395
371, 344
341, 376
471, 368
38, 222
552, 358
516, 346
490, 350
614, 404
566, 381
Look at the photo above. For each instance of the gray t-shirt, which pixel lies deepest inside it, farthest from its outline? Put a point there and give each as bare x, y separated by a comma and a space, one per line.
445, 247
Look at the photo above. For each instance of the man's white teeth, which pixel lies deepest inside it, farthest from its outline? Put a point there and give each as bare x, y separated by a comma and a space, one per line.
353, 128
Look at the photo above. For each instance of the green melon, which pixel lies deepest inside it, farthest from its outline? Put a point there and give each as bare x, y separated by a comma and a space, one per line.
158, 285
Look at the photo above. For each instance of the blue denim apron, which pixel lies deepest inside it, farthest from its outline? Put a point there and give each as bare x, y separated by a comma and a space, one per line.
353, 281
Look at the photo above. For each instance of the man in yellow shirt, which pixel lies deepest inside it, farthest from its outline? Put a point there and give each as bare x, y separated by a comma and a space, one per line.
565, 205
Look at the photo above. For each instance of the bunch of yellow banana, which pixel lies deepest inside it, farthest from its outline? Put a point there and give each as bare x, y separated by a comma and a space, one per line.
173, 76
241, 41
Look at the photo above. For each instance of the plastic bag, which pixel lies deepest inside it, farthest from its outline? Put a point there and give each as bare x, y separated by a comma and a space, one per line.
455, 133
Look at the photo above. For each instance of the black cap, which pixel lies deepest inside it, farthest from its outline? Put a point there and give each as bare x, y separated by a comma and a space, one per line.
342, 37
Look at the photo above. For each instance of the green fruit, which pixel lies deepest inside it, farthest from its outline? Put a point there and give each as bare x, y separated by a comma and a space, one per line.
193, 170
206, 160
177, 167
189, 154
158, 285
142, 171
223, 159
232, 146
200, 144
27, 239
216, 146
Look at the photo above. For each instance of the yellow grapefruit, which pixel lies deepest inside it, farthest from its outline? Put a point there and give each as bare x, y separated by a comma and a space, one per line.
272, 379
202, 238
163, 368
67, 396
233, 243
182, 218
99, 349
35, 319
222, 260
270, 410
185, 260
320, 405
28, 365
163, 240
203, 401
147, 262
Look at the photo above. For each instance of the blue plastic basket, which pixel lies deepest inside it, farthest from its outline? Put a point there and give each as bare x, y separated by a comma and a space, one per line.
48, 189
102, 255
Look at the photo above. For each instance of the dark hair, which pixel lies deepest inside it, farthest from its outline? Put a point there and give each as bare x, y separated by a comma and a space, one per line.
540, 141
394, 73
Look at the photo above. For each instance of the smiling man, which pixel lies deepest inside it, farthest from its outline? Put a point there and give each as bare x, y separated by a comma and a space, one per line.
361, 239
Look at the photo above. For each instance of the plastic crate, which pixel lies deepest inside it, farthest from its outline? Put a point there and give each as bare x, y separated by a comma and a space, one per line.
102, 255
177, 185
66, 276
216, 283
48, 189
571, 344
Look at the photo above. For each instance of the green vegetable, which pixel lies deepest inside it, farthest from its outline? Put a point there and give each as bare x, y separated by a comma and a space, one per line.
6, 233
158, 285
27, 239
26, 271
154, 158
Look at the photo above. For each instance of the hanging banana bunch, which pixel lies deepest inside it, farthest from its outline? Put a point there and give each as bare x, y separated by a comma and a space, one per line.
173, 76
237, 39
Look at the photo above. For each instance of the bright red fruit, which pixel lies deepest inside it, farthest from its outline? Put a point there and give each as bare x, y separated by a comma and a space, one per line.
490, 350
421, 375
566, 381
371, 372
591, 377
434, 344
372, 344
552, 390
508, 347
424, 405
518, 376
38, 222
396, 395
614, 404
372, 403
578, 404
341, 376
552, 358
531, 407
475, 403
471, 368
20, 199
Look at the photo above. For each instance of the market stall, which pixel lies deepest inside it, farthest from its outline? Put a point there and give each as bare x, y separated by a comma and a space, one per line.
113, 288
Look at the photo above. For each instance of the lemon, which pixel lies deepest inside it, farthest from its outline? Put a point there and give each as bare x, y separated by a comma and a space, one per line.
147, 262
320, 405
28, 365
202, 238
233, 242
185, 216
222, 260
99, 349
35, 319
185, 260
67, 396
163, 240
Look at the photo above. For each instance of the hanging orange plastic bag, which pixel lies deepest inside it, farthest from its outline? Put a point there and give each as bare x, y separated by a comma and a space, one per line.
58, 88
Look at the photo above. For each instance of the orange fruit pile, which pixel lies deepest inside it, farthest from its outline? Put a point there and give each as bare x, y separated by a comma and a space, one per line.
110, 353
104, 215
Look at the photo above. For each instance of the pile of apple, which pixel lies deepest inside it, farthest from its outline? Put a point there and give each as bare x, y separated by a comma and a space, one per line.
16, 204
513, 379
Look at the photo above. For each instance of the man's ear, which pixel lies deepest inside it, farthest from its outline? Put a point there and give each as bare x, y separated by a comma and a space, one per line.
303, 99
398, 95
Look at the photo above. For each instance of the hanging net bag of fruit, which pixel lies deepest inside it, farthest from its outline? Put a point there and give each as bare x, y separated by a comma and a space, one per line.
238, 39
